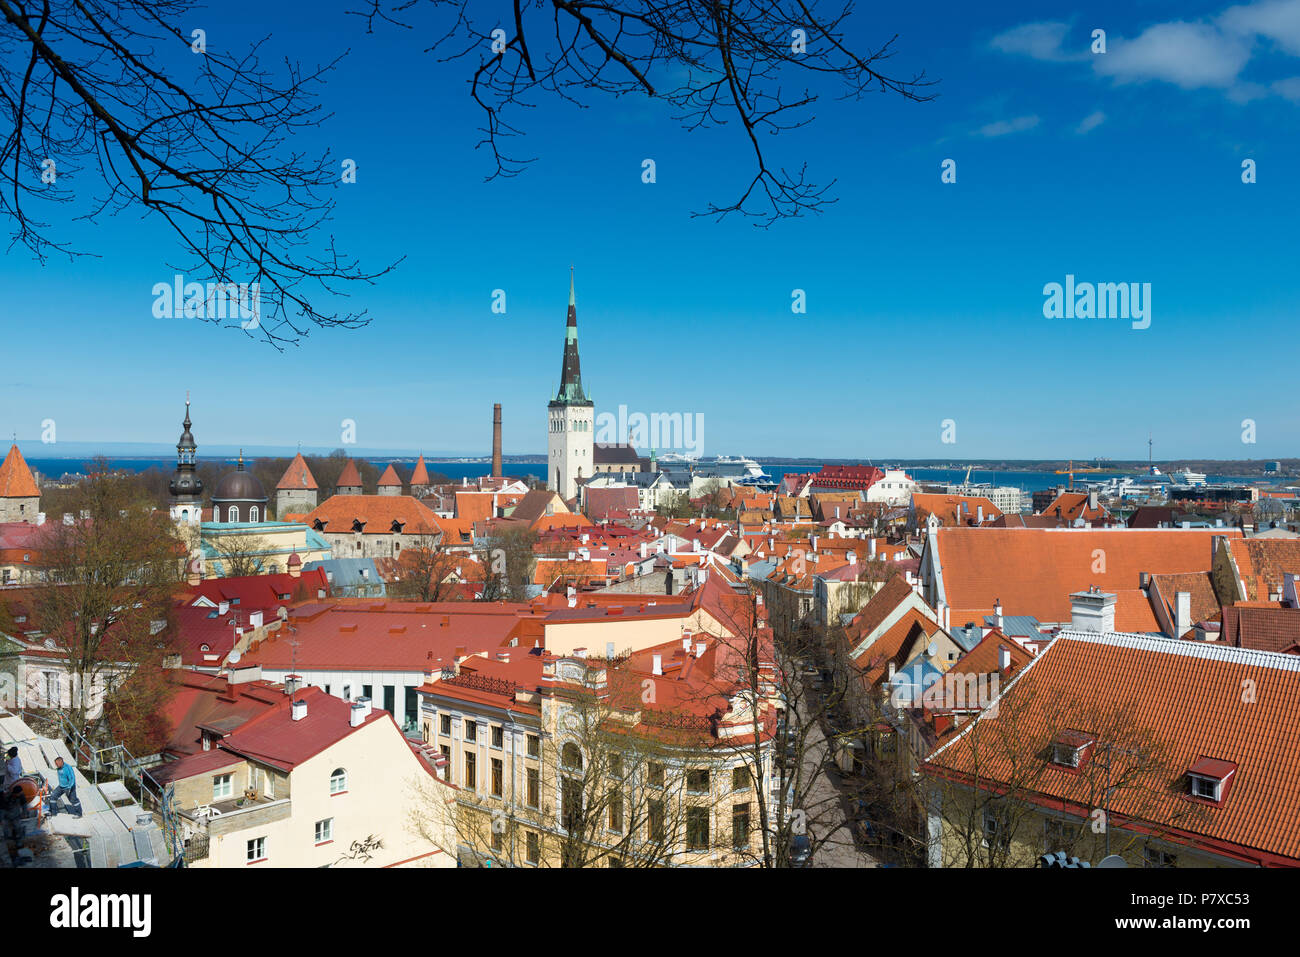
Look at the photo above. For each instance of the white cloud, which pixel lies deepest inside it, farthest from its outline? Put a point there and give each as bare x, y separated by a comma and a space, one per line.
1209, 54
1190, 55
1042, 41
1278, 20
1289, 88
1003, 127
1090, 122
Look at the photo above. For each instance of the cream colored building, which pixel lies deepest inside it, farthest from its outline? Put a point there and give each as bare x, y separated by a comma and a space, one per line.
313, 782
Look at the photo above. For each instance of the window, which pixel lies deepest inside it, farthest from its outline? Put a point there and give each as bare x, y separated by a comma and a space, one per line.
347, 692
616, 810
655, 774
532, 847
616, 765
338, 781
1154, 857
471, 779
365, 689
498, 736
697, 781
232, 514
740, 825
1059, 836
571, 757
471, 731
655, 820
571, 793
222, 786
534, 788
253, 513
1207, 788
256, 850
697, 828
498, 838
446, 724
325, 831
534, 746
496, 777
995, 831
740, 778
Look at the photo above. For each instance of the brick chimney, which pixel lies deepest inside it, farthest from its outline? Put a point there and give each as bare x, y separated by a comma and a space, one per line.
496, 440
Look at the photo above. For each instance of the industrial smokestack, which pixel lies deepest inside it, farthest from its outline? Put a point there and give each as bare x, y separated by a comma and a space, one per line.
496, 440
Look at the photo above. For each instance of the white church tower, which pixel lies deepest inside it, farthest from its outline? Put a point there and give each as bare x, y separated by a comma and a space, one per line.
571, 418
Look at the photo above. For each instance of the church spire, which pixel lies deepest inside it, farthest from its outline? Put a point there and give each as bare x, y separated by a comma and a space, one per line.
571, 371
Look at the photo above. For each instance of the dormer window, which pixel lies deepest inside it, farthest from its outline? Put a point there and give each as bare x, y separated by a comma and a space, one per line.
1070, 748
1209, 778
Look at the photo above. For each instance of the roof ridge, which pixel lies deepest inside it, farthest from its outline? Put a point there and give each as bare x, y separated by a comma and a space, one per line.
1229, 653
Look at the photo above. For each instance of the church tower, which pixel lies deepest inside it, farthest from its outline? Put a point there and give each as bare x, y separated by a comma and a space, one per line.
186, 489
571, 418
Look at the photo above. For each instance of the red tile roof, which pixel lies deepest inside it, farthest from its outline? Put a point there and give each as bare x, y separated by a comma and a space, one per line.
1264, 562
297, 475
1263, 629
954, 509
420, 476
390, 478
377, 513
274, 738
1186, 698
1034, 570
350, 477
15, 477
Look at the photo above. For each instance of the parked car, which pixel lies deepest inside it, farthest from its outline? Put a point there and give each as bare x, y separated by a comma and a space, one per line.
800, 850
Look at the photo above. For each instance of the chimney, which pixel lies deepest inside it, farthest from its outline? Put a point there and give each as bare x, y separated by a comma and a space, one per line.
657, 666
979, 515
1004, 659
496, 440
853, 558
299, 710
255, 620
997, 613
699, 649
1092, 501
643, 549
357, 714
292, 683
1092, 610
223, 607
67, 518
871, 547
1182, 613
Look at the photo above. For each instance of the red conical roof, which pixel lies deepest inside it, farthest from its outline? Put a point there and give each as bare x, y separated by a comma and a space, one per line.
351, 477
421, 474
297, 475
16, 478
389, 478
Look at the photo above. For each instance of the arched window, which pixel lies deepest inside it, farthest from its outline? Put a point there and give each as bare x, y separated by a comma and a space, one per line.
571, 757
338, 781
232, 513
253, 513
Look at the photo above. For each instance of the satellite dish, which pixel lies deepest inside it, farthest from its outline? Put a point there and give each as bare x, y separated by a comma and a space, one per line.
1114, 860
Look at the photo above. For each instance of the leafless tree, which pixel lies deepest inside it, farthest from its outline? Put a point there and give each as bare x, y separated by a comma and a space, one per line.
120, 106
712, 62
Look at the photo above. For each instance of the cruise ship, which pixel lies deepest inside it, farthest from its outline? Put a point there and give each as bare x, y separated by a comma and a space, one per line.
740, 469
1188, 477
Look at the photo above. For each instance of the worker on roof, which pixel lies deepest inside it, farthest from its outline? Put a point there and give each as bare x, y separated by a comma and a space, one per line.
68, 786
13, 771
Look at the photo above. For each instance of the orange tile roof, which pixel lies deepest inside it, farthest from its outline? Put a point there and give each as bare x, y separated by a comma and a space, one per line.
1034, 570
1205, 606
475, 506
16, 478
420, 476
297, 475
377, 512
949, 509
1185, 697
350, 477
1075, 505
1264, 562
390, 478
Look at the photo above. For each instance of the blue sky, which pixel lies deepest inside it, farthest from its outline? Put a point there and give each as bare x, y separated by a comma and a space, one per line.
924, 299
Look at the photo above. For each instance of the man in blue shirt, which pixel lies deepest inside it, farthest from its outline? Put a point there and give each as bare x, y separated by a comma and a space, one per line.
68, 786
